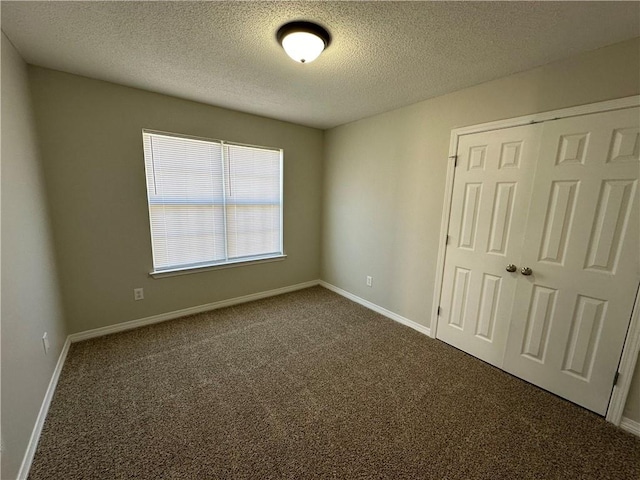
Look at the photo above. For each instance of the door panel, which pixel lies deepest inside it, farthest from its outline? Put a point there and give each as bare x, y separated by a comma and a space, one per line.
541, 308
571, 315
609, 229
490, 198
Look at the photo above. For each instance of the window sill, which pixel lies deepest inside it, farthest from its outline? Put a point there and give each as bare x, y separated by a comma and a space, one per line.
233, 264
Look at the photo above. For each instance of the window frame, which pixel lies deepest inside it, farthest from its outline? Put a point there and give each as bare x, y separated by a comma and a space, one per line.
216, 265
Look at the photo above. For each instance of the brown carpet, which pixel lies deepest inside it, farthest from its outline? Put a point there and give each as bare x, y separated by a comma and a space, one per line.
310, 385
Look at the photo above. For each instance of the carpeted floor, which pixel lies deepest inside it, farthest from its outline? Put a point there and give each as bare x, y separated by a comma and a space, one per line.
310, 385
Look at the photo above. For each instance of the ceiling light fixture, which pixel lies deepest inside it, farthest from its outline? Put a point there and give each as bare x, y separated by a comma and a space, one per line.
303, 41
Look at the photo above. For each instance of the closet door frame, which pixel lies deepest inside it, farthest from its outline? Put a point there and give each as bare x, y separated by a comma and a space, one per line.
632, 343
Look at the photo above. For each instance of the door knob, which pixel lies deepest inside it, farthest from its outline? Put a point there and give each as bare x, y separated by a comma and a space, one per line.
511, 268
526, 271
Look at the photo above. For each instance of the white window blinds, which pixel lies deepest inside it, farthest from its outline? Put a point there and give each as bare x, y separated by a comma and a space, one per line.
211, 202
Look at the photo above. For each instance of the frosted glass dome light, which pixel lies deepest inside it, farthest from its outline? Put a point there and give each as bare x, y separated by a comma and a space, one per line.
303, 47
303, 41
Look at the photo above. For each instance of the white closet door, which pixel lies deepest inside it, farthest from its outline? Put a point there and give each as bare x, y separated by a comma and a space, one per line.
571, 315
491, 195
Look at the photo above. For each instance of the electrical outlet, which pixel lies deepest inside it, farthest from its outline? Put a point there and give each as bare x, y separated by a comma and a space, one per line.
138, 293
369, 281
45, 342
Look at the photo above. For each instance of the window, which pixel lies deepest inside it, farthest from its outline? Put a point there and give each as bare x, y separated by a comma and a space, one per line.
211, 202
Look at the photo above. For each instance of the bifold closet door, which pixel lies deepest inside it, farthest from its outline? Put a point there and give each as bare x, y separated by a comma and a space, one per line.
491, 194
570, 316
559, 202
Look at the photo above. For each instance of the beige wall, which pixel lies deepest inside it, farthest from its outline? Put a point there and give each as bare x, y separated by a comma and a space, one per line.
30, 295
90, 133
632, 408
384, 176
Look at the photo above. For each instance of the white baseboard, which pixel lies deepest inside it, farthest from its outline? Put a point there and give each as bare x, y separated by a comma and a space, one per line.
163, 317
42, 414
377, 308
630, 426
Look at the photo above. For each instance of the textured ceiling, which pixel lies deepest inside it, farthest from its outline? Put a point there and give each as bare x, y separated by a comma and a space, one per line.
383, 55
